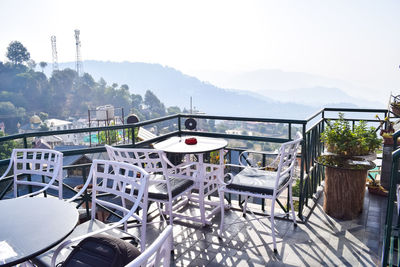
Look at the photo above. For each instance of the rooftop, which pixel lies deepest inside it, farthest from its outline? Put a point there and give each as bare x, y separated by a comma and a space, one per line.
318, 240
321, 241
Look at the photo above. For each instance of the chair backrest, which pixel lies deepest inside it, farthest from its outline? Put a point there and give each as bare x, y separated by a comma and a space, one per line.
119, 187
159, 252
287, 160
40, 169
151, 160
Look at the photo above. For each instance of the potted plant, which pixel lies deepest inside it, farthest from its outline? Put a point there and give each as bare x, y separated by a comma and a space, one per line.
387, 138
395, 105
348, 156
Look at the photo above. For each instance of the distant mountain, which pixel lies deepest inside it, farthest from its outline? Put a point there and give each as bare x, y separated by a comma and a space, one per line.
279, 94
304, 88
320, 96
174, 88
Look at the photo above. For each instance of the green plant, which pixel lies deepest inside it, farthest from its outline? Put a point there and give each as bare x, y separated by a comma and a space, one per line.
340, 138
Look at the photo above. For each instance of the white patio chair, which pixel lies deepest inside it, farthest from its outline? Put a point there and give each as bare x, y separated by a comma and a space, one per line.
43, 166
167, 183
116, 185
265, 184
158, 253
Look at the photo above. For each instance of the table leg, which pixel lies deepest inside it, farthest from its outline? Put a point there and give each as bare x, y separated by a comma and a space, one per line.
202, 174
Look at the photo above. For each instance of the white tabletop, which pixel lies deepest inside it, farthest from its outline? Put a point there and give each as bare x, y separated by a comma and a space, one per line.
177, 144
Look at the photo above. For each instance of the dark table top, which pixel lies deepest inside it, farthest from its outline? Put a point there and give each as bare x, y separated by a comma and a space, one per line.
177, 144
31, 226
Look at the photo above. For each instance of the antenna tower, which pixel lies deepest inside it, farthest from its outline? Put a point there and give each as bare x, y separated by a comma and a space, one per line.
78, 65
54, 52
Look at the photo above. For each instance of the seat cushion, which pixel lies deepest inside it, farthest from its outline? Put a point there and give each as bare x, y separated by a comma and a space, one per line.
256, 181
82, 229
158, 191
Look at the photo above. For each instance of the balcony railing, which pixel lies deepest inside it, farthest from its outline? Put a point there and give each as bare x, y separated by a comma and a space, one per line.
310, 174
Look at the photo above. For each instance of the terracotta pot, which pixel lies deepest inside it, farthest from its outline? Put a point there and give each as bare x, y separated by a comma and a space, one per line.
388, 141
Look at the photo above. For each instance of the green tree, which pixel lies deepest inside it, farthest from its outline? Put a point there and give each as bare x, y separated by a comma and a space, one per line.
6, 147
31, 64
173, 110
154, 104
17, 53
43, 65
137, 101
11, 115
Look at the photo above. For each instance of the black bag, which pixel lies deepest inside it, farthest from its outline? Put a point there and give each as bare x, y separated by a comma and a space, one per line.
101, 251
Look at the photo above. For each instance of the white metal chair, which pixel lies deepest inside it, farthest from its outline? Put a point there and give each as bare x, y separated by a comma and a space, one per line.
43, 166
167, 182
158, 253
116, 186
265, 184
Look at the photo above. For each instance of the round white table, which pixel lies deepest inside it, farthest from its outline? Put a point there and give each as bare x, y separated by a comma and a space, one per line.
177, 144
31, 226
208, 173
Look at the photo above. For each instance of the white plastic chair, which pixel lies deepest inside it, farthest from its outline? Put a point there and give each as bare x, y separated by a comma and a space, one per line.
158, 253
123, 185
167, 182
43, 165
265, 184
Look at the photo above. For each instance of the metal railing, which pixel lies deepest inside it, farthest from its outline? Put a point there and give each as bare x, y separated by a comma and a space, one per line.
310, 175
392, 222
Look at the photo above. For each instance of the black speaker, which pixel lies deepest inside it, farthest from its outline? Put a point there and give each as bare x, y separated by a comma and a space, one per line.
190, 124
132, 118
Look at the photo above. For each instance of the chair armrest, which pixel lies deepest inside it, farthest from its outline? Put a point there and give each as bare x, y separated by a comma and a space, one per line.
184, 176
8, 169
242, 166
182, 166
256, 152
84, 187
150, 255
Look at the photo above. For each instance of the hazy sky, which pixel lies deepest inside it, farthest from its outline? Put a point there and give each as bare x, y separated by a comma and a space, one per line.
355, 41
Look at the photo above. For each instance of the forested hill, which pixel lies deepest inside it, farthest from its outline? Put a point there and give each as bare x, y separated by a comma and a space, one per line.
25, 92
174, 88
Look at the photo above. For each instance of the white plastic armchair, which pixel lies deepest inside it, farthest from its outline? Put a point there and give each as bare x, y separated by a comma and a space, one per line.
265, 184
43, 165
125, 185
167, 182
158, 253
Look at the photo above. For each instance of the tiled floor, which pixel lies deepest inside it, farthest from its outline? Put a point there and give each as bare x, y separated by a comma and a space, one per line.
321, 241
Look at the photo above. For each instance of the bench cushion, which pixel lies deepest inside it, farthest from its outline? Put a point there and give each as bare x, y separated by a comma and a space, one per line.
158, 191
257, 181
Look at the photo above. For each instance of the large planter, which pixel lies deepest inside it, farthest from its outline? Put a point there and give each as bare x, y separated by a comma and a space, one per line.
344, 192
345, 184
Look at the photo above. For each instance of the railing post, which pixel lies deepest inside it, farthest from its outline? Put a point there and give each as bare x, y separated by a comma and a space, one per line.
133, 135
179, 124
302, 169
25, 142
85, 196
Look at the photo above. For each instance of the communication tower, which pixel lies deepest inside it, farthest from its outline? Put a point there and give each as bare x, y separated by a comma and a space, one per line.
54, 52
78, 65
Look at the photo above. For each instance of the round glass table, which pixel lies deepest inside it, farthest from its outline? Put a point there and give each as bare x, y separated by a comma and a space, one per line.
31, 226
